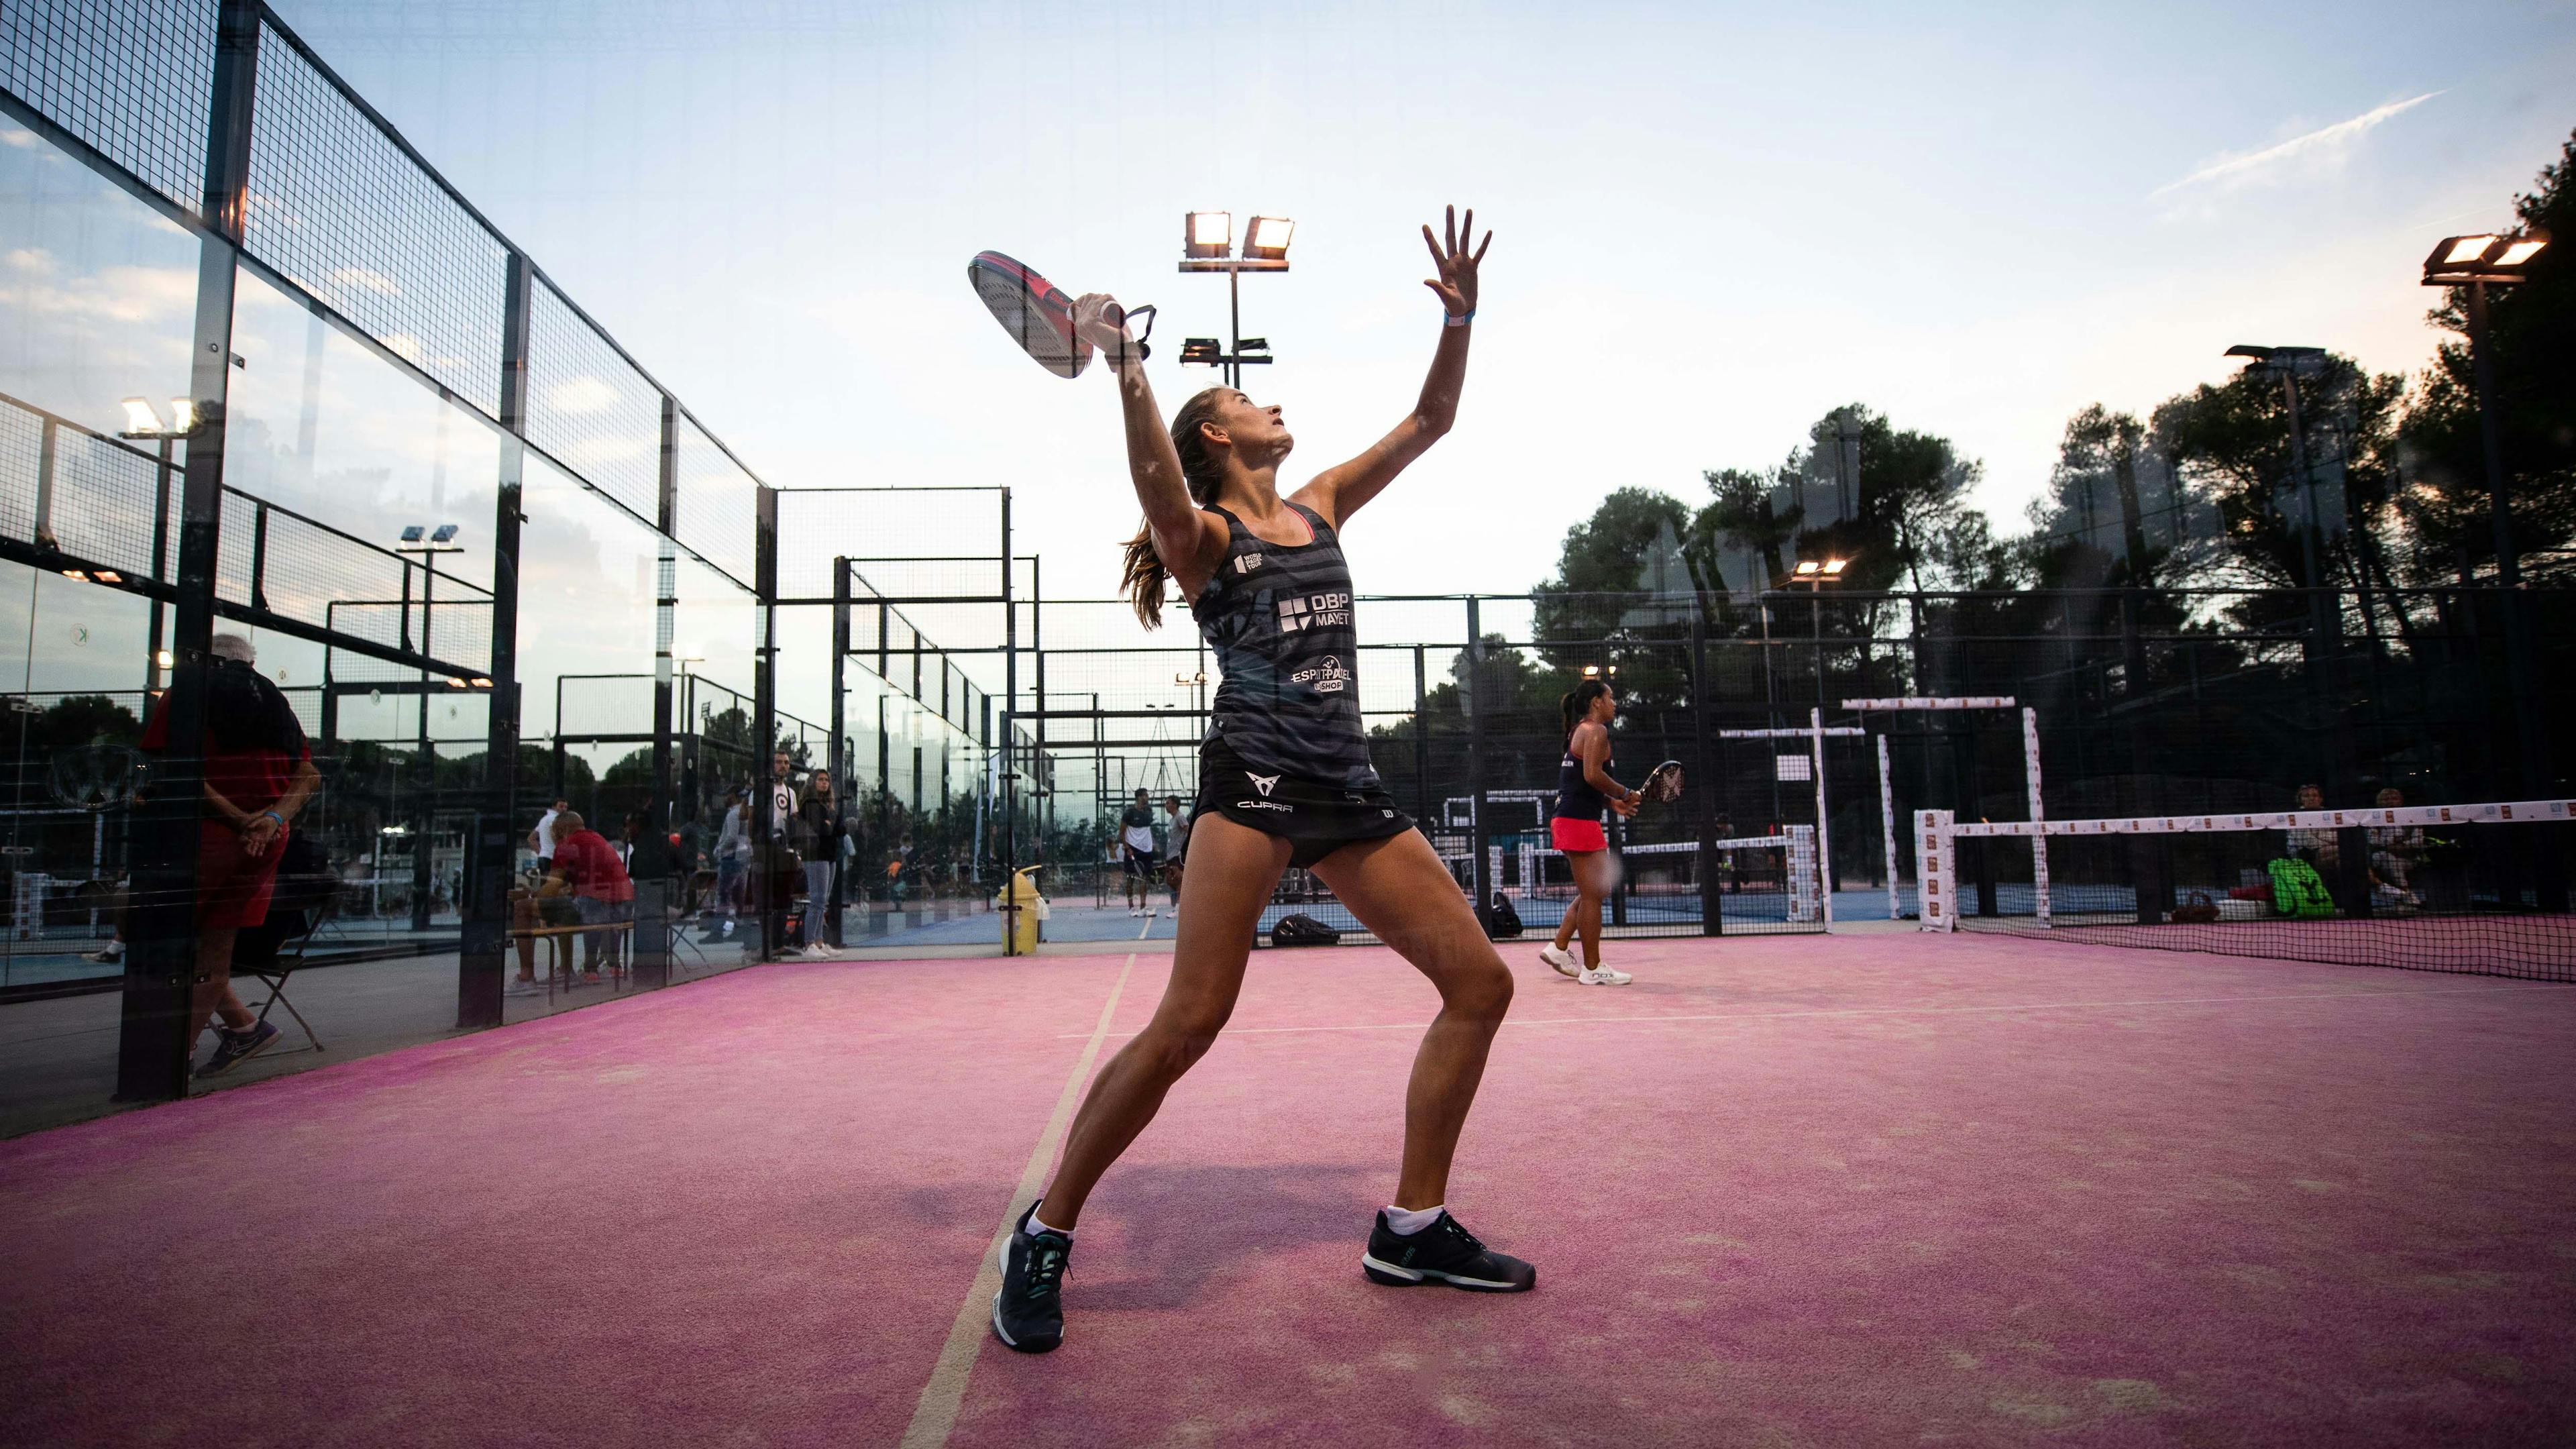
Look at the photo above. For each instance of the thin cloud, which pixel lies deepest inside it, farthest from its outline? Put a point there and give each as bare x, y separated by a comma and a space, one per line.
2237, 169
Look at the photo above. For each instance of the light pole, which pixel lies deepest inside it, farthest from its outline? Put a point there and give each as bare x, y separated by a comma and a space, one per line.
143, 424
425, 840
2473, 262
2289, 364
1815, 574
1207, 241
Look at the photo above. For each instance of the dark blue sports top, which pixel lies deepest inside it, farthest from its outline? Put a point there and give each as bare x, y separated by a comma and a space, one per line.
1575, 797
1279, 618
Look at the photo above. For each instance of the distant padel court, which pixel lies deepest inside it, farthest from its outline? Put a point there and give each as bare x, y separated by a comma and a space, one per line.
1821, 1190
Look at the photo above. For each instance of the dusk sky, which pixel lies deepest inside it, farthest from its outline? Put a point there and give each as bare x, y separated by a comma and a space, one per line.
1714, 223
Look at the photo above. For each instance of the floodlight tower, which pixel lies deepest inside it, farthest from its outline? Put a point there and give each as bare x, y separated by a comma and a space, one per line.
2290, 364
1815, 574
2473, 262
1207, 241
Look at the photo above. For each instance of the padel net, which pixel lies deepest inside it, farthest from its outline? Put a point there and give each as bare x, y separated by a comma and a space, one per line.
2465, 888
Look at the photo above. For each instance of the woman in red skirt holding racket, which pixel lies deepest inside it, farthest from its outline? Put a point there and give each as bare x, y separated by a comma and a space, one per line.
1583, 789
1284, 779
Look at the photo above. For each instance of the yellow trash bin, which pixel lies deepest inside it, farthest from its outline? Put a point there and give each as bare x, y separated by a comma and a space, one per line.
1020, 926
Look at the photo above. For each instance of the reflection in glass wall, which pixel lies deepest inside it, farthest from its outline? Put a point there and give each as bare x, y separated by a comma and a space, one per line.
98, 291
357, 572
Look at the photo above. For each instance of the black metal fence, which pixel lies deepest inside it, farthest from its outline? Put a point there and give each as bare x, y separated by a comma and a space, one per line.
2145, 701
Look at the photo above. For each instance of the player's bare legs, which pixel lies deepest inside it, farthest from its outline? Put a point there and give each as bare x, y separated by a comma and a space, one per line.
1233, 870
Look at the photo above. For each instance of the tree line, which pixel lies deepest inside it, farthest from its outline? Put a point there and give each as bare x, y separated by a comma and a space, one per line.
2201, 491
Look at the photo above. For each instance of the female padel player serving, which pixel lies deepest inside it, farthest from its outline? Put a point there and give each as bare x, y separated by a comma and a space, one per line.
1583, 788
1284, 779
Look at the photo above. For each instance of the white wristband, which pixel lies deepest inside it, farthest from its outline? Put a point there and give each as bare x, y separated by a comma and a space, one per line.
1452, 319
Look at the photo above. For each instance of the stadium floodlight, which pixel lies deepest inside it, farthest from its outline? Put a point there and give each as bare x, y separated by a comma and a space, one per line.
1267, 241
1201, 352
2473, 262
142, 422
421, 538
1205, 238
2486, 257
1207, 234
1834, 566
1807, 568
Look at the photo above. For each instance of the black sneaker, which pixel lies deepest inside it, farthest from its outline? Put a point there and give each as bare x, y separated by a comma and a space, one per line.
232, 1048
1442, 1253
1028, 1314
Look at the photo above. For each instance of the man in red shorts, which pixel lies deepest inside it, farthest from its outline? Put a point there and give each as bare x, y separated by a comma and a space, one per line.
258, 774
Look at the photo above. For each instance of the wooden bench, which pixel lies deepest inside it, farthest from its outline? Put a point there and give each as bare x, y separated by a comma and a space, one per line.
526, 937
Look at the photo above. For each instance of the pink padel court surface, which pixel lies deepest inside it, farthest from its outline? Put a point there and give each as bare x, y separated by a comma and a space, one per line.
1861, 1190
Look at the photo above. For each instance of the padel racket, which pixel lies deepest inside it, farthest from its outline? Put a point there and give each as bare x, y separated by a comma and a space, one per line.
1663, 785
1039, 315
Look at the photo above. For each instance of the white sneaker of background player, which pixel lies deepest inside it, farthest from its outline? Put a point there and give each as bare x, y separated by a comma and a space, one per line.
1562, 961
1604, 976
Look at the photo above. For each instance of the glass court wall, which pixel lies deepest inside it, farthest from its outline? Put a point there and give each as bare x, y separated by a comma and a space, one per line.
483, 560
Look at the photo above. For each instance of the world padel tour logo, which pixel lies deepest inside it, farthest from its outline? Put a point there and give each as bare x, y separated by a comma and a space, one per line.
1328, 677
1245, 563
1315, 611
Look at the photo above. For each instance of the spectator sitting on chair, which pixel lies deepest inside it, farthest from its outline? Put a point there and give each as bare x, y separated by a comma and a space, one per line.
2394, 850
2315, 845
603, 893
258, 774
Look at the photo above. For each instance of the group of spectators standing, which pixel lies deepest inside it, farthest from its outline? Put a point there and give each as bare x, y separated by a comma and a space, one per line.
808, 835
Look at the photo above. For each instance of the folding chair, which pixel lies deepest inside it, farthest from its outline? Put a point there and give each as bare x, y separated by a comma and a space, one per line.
271, 952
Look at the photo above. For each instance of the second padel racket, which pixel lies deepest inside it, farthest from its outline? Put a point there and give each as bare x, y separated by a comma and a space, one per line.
1038, 314
1664, 784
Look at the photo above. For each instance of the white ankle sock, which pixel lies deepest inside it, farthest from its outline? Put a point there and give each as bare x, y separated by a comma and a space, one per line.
1405, 1222
1038, 1227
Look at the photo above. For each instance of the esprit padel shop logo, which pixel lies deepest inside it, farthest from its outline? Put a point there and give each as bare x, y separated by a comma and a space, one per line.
1328, 677
1314, 611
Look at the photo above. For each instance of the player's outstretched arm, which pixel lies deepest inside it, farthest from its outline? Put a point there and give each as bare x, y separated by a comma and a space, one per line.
1338, 492
1183, 537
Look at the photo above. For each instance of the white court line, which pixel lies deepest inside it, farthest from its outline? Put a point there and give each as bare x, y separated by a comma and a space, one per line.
1871, 1010
936, 1414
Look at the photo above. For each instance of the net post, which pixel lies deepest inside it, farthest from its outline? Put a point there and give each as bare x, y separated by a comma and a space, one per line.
2039, 835
1936, 883
1480, 869
1801, 860
1712, 919
1887, 833
1824, 830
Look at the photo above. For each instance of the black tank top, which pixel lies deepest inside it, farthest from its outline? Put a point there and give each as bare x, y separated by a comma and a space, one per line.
1279, 618
1575, 797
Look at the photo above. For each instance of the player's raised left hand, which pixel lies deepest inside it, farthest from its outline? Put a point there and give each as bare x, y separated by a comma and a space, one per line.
1456, 284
